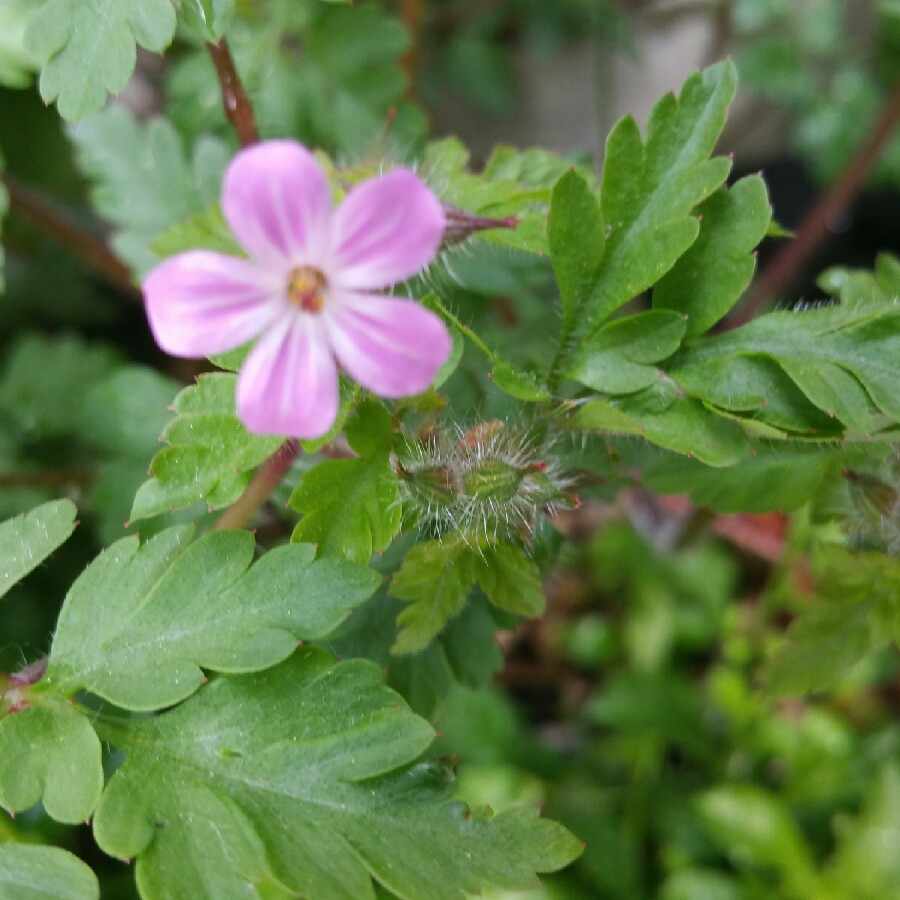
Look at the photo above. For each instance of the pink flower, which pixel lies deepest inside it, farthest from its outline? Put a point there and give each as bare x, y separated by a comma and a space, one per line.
307, 291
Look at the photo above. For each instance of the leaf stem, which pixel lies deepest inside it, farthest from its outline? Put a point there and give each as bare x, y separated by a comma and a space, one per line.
235, 101
266, 479
477, 341
89, 249
829, 208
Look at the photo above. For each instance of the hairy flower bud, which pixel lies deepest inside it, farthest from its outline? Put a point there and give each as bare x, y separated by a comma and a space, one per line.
486, 483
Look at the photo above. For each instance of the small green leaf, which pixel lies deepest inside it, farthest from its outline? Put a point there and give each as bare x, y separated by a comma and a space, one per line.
518, 384
577, 242
27, 540
16, 65
49, 752
141, 622
211, 454
616, 359
511, 580
437, 576
32, 872
87, 47
708, 280
44, 381
435, 580
865, 865
351, 507
650, 189
301, 776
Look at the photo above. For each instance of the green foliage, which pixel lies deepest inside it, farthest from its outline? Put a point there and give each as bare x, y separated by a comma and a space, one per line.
87, 47
325, 73
67, 775
635, 713
139, 624
830, 78
302, 777
616, 360
44, 379
143, 181
662, 417
577, 243
775, 477
210, 456
25, 542
650, 189
708, 280
436, 577
16, 66
29, 872
351, 507
857, 610
759, 831
839, 358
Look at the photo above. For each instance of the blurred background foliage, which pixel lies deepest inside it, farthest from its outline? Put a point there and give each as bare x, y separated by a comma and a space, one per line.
649, 710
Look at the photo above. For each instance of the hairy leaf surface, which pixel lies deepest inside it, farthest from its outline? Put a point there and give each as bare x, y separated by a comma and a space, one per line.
87, 48
141, 622
650, 188
300, 776
27, 540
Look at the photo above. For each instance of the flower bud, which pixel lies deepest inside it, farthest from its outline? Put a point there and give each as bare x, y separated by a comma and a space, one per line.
486, 483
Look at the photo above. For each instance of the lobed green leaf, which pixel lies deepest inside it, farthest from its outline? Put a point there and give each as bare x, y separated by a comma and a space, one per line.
49, 752
211, 454
300, 778
87, 48
143, 621
650, 189
436, 577
708, 280
351, 507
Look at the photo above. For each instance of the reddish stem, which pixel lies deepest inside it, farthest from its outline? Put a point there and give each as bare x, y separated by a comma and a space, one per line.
267, 478
829, 208
91, 250
235, 102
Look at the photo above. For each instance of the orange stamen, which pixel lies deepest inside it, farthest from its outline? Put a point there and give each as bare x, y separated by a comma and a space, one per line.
305, 289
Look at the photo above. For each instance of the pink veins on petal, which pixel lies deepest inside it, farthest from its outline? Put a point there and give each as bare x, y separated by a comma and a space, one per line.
308, 291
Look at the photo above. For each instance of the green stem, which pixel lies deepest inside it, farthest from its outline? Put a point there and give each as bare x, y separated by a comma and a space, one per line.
477, 341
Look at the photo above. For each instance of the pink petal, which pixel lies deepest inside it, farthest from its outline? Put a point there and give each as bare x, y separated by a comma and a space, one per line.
200, 302
385, 231
392, 347
289, 383
277, 201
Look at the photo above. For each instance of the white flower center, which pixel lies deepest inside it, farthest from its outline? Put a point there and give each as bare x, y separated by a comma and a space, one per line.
306, 289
